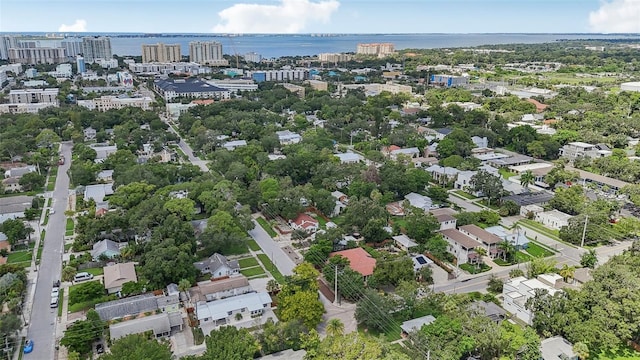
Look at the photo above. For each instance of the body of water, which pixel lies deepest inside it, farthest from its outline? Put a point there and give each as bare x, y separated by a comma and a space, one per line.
292, 45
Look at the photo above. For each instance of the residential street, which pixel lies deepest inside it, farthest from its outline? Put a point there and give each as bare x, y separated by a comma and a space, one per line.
465, 205
186, 148
272, 249
42, 318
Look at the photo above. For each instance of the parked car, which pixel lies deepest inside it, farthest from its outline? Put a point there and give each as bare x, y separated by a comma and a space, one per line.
99, 348
28, 347
56, 283
55, 292
82, 276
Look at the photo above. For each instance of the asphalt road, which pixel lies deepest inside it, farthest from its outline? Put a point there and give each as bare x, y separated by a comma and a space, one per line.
43, 318
187, 149
465, 205
272, 249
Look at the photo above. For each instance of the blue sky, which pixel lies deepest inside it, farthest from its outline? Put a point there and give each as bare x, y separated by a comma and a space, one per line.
320, 16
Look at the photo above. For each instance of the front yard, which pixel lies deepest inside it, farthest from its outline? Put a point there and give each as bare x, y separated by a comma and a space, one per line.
538, 251
264, 259
474, 269
265, 225
69, 227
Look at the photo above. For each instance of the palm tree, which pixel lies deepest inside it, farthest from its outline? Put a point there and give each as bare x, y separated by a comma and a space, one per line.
335, 328
272, 286
581, 350
567, 272
507, 249
184, 285
527, 178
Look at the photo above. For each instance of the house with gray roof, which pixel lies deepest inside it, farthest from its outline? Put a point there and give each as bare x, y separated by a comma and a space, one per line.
108, 248
18, 172
218, 266
13, 207
134, 305
193, 88
220, 288
489, 309
556, 348
161, 324
412, 325
98, 192
220, 312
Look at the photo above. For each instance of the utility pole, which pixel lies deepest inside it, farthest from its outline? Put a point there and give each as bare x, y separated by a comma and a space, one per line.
584, 230
335, 286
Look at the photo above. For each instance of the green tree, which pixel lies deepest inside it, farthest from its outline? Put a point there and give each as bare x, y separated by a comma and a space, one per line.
183, 208
437, 193
569, 200
495, 285
301, 305
335, 328
392, 270
539, 266
80, 336
130, 195
489, 185
138, 346
15, 230
68, 273
32, 181
47, 138
230, 343
374, 231
581, 350
589, 259
527, 178
374, 310
361, 211
167, 263
132, 288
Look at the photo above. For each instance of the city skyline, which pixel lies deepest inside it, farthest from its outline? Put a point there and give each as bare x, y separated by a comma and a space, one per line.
322, 16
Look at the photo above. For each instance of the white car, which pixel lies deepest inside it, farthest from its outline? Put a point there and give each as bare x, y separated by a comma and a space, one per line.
51, 212
54, 292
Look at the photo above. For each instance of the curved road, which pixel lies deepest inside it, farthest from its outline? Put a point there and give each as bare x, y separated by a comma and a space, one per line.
42, 327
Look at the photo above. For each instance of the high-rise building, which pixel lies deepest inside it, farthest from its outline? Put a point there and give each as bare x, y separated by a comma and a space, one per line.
80, 64
252, 57
7, 42
98, 47
73, 46
161, 53
38, 55
334, 57
378, 49
205, 52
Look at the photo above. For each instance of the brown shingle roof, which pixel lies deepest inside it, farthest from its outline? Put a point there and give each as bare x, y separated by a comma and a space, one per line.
482, 234
444, 218
118, 274
460, 238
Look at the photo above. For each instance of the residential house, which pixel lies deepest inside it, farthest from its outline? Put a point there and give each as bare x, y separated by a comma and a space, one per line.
532, 198
460, 245
98, 192
414, 325
118, 274
420, 261
221, 312
525, 210
304, 222
135, 305
216, 289
511, 160
437, 134
420, 201
4, 242
18, 172
105, 248
556, 348
359, 260
480, 142
105, 176
232, 145
518, 290
539, 171
446, 221
532, 117
342, 200
582, 275
286, 354
514, 237
486, 156
11, 185
441, 174
553, 219
408, 152
13, 207
218, 266
103, 151
577, 149
161, 325
89, 134
600, 180
349, 158
424, 162
287, 137
489, 241
404, 242
489, 309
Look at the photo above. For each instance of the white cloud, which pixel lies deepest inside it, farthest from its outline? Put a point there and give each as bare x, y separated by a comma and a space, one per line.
79, 26
617, 16
290, 16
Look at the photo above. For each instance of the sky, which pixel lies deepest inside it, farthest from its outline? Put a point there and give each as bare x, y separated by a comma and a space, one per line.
321, 16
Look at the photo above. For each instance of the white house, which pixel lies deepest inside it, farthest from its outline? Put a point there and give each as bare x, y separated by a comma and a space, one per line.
216, 289
525, 210
574, 150
404, 242
349, 158
305, 222
460, 245
420, 261
89, 134
442, 174
553, 219
232, 145
221, 312
480, 142
518, 290
408, 152
287, 137
420, 201
218, 266
446, 221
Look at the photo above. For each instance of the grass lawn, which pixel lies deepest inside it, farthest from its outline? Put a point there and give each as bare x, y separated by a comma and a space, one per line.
95, 271
391, 331
49, 202
539, 228
538, 251
68, 246
248, 262
322, 223
39, 253
60, 300
85, 305
257, 270
264, 259
485, 202
472, 269
46, 218
506, 173
465, 195
52, 183
19, 256
265, 225
339, 220
253, 245
70, 225
522, 257
400, 221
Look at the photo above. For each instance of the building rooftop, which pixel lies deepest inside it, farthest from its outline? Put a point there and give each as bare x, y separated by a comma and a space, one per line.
530, 198
359, 260
557, 348
405, 241
485, 236
220, 309
460, 238
118, 274
204, 288
190, 85
417, 324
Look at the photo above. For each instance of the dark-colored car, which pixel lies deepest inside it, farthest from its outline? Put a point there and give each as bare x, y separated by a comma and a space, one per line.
99, 348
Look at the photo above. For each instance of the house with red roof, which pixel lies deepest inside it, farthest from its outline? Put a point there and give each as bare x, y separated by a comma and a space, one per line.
304, 222
359, 260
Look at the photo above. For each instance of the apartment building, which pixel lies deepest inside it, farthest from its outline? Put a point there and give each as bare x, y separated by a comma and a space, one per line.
574, 150
378, 49
161, 53
96, 47
31, 96
189, 88
40, 55
279, 75
206, 52
334, 57
105, 103
252, 57
448, 80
